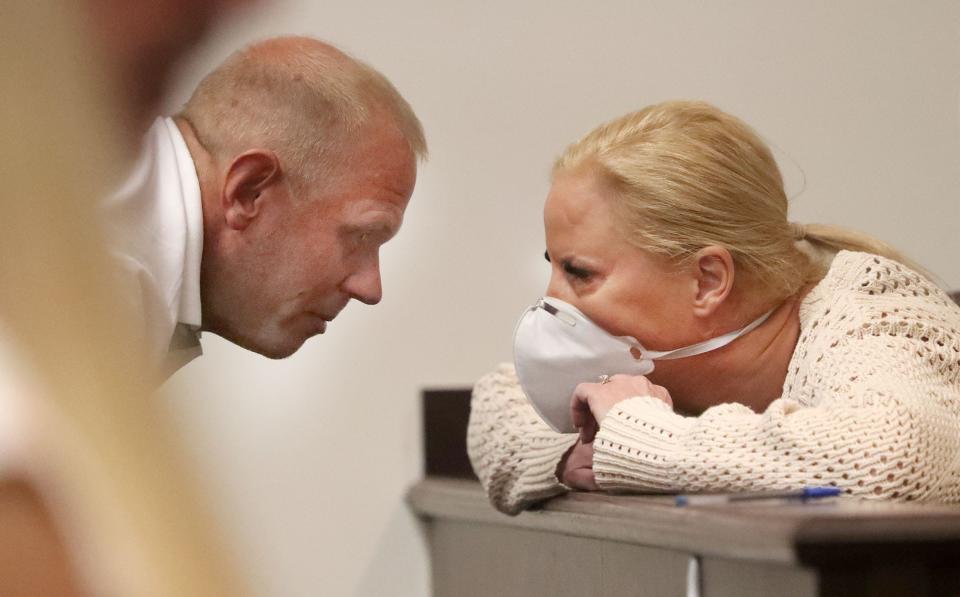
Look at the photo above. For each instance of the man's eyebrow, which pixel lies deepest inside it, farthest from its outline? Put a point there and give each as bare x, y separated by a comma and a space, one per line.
382, 226
380, 221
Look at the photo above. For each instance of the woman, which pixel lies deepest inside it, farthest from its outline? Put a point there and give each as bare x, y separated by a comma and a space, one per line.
669, 226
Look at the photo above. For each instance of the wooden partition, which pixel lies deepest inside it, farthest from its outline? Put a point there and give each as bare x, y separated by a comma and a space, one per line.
614, 546
595, 544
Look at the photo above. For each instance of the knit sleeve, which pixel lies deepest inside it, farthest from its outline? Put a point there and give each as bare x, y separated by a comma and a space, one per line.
514, 453
891, 445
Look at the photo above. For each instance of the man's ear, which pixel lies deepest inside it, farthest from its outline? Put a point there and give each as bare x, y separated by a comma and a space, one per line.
714, 270
250, 175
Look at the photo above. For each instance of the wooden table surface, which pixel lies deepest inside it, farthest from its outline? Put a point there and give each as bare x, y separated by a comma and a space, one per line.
763, 531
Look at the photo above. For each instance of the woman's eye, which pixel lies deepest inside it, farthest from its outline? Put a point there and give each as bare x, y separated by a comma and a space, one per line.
576, 272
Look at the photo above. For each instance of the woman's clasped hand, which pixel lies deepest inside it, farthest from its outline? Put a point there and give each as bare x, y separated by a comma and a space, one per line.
590, 404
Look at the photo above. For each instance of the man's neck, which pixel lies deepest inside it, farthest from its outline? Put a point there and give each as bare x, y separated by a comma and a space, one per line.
205, 167
202, 160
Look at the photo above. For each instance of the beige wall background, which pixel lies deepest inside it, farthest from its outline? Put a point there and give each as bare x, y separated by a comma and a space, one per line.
309, 458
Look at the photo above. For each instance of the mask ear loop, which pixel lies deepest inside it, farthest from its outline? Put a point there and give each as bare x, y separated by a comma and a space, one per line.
706, 345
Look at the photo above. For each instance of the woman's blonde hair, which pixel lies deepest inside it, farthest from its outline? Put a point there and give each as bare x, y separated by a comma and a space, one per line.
688, 175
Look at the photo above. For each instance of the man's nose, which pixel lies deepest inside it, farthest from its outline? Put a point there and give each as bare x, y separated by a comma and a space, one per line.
365, 285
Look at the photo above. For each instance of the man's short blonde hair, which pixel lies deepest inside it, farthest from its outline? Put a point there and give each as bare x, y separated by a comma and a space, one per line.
299, 97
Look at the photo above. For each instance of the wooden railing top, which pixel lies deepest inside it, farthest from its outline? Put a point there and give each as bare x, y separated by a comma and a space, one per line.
770, 531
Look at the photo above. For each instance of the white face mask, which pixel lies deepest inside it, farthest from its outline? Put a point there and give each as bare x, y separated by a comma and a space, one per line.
556, 347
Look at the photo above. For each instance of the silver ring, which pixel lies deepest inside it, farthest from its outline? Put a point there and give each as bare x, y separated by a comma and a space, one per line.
603, 379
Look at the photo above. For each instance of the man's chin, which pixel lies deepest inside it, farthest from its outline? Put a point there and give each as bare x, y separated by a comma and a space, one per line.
271, 350
279, 351
277, 354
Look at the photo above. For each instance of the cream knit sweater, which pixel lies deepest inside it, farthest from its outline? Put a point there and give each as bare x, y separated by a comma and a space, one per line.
871, 404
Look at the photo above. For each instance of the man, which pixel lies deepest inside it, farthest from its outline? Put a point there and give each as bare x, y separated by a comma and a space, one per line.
257, 212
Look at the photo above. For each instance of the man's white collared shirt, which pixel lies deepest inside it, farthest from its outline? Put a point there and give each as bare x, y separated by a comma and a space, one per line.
156, 225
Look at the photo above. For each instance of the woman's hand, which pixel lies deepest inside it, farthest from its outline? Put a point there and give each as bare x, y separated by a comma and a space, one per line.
576, 468
590, 404
592, 401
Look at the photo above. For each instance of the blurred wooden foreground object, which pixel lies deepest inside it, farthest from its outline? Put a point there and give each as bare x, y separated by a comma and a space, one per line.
95, 497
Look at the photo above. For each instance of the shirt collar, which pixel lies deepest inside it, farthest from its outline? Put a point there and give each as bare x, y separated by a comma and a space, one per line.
189, 311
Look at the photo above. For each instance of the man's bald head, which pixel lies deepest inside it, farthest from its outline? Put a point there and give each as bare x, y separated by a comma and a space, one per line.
299, 97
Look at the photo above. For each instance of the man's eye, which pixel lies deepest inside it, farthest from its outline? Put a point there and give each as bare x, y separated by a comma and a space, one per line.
360, 237
546, 256
576, 272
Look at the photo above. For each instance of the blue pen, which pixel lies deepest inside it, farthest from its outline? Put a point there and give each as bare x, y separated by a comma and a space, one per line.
807, 493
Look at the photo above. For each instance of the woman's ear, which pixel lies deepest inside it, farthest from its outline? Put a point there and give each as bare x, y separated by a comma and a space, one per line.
248, 177
714, 271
